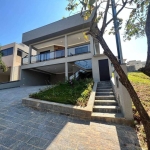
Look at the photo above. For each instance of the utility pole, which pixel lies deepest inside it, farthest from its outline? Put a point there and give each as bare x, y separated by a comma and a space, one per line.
117, 34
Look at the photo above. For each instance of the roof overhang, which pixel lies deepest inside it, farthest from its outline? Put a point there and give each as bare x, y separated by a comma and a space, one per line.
61, 27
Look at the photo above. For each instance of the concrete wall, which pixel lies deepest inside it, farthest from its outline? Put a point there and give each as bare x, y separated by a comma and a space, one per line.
8, 60
58, 78
15, 73
10, 85
122, 95
29, 77
4, 78
95, 66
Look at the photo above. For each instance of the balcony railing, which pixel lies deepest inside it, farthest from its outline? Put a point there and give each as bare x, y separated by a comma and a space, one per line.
79, 50
45, 56
57, 54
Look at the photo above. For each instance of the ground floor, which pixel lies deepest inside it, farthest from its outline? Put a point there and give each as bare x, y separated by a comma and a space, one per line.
23, 128
12, 74
97, 67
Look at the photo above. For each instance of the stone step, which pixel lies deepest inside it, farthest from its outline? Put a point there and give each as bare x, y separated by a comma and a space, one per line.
106, 109
104, 90
104, 93
106, 102
104, 87
104, 97
109, 118
103, 84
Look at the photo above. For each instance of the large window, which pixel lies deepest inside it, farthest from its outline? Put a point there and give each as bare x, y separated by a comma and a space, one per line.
8, 51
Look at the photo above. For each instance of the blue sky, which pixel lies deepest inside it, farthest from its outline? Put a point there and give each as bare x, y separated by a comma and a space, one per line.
19, 16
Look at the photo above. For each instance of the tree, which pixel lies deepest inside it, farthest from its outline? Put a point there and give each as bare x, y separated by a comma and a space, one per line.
97, 33
2, 64
138, 24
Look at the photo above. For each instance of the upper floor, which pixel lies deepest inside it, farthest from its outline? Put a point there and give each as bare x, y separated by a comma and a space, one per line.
65, 38
13, 53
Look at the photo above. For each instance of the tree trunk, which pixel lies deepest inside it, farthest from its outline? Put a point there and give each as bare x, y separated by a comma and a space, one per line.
146, 69
125, 81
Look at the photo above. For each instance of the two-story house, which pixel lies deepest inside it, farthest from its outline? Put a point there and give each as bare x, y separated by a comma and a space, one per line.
12, 55
63, 49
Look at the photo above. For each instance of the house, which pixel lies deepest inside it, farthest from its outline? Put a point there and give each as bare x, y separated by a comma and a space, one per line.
63, 50
12, 55
135, 65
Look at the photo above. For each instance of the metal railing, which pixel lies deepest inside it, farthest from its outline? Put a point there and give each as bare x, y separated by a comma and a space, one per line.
57, 54
45, 56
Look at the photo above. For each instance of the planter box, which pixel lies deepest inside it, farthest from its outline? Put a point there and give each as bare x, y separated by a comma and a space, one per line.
77, 111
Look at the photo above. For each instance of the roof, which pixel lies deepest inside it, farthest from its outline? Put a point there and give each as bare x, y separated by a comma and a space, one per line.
64, 26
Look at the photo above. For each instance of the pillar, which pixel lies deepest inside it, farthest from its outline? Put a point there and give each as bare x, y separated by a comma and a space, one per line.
29, 55
66, 70
66, 46
91, 45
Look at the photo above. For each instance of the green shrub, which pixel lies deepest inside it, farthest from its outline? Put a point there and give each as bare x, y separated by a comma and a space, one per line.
85, 94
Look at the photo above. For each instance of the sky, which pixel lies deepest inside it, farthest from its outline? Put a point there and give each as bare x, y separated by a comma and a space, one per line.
19, 16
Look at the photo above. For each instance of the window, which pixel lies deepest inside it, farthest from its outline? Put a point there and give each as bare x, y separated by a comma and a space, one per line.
8, 51
19, 52
81, 50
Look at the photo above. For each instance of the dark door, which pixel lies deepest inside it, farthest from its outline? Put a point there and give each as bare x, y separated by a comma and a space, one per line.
104, 70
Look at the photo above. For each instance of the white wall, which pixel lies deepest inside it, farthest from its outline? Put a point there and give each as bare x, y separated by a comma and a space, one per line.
95, 66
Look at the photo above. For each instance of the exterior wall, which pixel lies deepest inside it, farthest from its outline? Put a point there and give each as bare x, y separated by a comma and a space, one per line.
8, 60
33, 78
4, 78
15, 73
122, 95
95, 66
13, 61
58, 78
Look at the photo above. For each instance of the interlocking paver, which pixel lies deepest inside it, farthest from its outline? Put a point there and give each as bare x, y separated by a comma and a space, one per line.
23, 128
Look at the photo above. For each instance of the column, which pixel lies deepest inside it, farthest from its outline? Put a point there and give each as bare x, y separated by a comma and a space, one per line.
91, 45
29, 55
66, 46
66, 70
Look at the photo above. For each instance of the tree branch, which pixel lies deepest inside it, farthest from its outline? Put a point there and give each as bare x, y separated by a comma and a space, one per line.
105, 17
117, 13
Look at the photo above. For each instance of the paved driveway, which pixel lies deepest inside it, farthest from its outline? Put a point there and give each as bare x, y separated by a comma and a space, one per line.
23, 128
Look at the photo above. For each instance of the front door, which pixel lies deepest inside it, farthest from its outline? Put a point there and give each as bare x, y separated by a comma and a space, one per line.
104, 70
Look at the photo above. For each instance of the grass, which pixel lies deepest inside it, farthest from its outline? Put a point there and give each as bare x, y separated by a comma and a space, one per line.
141, 84
74, 92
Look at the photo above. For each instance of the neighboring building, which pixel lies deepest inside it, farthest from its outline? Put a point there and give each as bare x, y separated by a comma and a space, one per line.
135, 65
63, 50
12, 55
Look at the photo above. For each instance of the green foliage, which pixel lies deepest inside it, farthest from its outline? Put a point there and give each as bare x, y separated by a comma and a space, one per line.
66, 93
135, 25
141, 84
2, 64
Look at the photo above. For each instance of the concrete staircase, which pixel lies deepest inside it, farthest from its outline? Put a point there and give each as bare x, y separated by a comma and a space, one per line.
105, 105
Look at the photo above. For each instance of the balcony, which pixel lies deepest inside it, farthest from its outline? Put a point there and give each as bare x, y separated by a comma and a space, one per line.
46, 56
79, 50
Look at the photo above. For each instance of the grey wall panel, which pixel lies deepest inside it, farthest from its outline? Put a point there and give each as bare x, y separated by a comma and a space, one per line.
57, 28
33, 78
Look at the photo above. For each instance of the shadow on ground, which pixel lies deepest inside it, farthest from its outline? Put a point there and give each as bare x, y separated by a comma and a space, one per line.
23, 128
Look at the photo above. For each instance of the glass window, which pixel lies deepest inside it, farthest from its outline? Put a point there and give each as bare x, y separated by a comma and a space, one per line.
8, 51
19, 52
80, 50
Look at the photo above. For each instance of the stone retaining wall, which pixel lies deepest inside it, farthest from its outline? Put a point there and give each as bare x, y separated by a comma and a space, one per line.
77, 111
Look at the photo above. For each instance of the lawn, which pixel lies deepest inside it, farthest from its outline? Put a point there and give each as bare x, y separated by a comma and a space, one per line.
74, 92
141, 84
